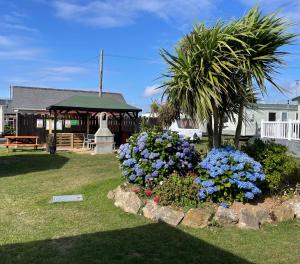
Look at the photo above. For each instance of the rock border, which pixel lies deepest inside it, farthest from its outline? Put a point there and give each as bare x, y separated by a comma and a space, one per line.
241, 215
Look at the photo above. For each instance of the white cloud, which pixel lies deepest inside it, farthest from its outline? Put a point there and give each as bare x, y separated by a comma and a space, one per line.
19, 27
13, 44
20, 54
288, 9
152, 90
6, 41
15, 21
116, 13
66, 69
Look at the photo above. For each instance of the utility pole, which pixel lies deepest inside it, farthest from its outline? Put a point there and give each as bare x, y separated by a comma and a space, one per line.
101, 73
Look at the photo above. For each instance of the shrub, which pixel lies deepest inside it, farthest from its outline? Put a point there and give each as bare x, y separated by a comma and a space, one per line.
9, 130
151, 156
178, 190
280, 169
227, 174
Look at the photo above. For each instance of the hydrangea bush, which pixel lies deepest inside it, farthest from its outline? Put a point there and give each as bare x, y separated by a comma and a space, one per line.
227, 175
150, 156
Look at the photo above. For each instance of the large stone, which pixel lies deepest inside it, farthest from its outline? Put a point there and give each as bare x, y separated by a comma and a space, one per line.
295, 205
262, 214
261, 210
248, 220
226, 216
197, 218
283, 212
169, 215
111, 195
127, 200
150, 210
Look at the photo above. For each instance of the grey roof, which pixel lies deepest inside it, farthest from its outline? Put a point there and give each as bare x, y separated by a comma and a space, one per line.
38, 98
8, 106
277, 107
296, 98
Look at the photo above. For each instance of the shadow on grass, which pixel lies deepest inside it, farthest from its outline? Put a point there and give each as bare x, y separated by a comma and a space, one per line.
12, 165
153, 243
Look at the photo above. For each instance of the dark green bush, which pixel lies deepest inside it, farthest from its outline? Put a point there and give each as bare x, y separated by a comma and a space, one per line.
9, 130
280, 168
178, 190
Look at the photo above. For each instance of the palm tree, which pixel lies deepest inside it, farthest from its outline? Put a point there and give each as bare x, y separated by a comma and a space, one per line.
154, 109
214, 70
199, 76
264, 55
167, 114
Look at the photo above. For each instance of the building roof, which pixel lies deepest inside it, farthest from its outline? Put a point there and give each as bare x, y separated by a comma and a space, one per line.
8, 106
277, 107
94, 104
296, 99
38, 98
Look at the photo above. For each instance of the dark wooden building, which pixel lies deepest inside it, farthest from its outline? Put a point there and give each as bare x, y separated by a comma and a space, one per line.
74, 111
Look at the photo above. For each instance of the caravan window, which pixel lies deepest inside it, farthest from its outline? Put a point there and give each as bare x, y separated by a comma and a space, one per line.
272, 117
284, 116
187, 123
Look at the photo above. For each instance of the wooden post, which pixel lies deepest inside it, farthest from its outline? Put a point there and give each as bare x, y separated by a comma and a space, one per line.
120, 127
72, 140
136, 117
55, 120
17, 123
87, 123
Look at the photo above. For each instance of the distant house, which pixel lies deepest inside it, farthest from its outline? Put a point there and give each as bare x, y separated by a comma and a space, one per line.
30, 107
283, 126
259, 113
7, 115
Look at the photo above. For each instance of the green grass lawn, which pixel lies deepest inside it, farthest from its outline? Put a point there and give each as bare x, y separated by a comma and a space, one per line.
32, 230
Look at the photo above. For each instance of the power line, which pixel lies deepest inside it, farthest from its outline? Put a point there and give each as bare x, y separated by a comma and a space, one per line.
50, 74
129, 57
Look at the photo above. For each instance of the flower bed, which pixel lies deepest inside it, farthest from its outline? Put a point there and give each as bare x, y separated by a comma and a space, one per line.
167, 172
136, 200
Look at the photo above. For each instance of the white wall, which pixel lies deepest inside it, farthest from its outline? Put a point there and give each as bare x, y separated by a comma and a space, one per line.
2, 120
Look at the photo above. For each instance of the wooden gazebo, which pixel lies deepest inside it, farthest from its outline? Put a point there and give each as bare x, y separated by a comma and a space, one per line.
87, 108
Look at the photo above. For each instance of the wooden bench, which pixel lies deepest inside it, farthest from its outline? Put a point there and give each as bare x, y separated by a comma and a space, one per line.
35, 146
22, 141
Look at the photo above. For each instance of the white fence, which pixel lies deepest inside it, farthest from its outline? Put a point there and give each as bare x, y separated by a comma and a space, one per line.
289, 130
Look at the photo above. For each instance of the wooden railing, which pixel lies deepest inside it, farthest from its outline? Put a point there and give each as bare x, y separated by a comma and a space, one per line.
72, 140
289, 130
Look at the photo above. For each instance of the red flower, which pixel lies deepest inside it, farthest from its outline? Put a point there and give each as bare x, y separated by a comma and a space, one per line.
156, 199
148, 192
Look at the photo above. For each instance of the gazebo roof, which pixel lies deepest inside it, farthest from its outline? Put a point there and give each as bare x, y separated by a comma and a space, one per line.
93, 104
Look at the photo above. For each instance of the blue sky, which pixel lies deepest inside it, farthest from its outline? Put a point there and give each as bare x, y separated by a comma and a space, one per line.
56, 43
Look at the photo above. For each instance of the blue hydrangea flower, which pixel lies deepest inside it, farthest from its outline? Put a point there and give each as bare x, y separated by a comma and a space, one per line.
132, 177
227, 165
155, 173
249, 195
224, 204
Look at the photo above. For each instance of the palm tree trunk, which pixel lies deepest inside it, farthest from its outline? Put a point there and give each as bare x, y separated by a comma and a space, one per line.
216, 142
221, 123
210, 133
238, 130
